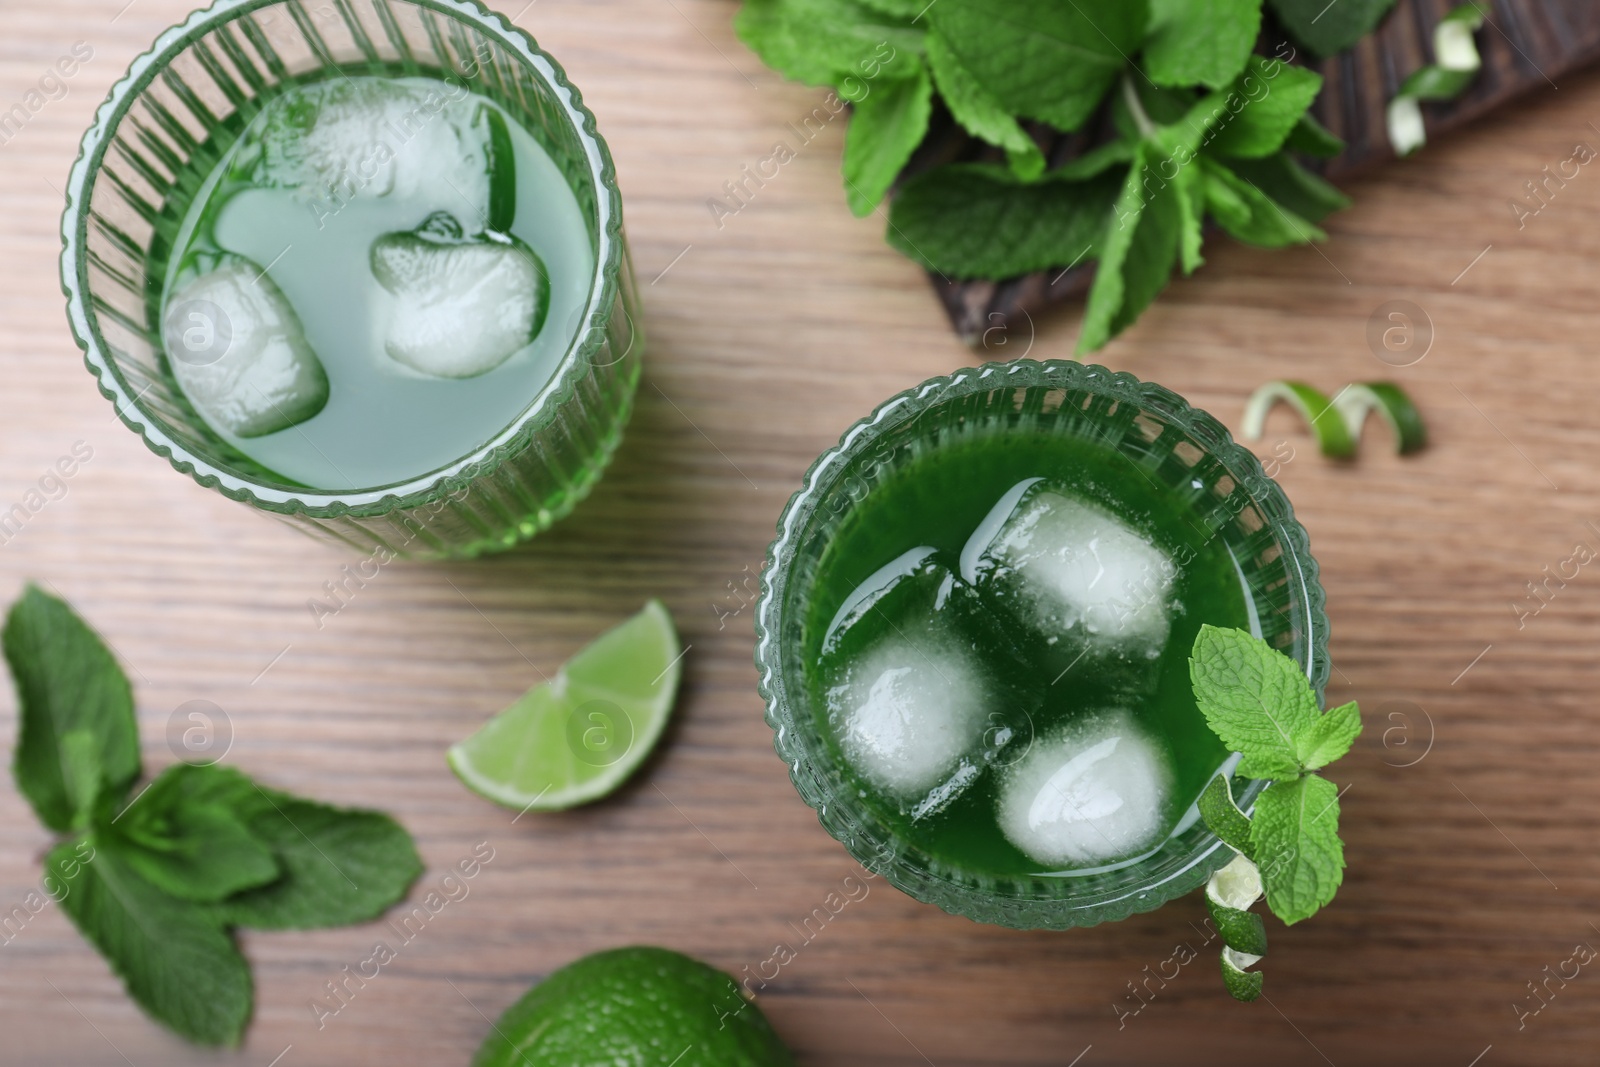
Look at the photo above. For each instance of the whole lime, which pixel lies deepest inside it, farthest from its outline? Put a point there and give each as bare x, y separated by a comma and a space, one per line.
633, 1007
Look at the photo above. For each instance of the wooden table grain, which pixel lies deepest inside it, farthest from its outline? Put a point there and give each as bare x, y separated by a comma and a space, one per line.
1472, 806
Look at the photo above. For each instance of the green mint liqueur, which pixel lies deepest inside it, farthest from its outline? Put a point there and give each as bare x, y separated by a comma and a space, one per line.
373, 277
998, 639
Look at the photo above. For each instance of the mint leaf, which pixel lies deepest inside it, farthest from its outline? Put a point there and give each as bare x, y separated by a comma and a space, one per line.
1249, 214
1313, 138
1256, 699
1331, 737
1295, 833
77, 737
1096, 161
902, 9
187, 846
1043, 59
826, 42
338, 866
174, 958
979, 113
888, 124
1287, 183
1200, 42
1328, 28
979, 220
1190, 187
1275, 96
1138, 251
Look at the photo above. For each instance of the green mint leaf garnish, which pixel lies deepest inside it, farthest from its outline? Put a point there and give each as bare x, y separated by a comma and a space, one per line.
1260, 703
160, 879
77, 737
1335, 731
1200, 42
175, 958
1136, 258
1200, 129
825, 42
1274, 95
889, 122
1295, 834
978, 112
340, 866
1313, 138
1042, 59
190, 848
1250, 215
1256, 699
1291, 185
1328, 28
980, 220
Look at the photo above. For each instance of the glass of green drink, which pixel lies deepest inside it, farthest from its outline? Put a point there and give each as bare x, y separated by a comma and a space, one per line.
360, 265
974, 630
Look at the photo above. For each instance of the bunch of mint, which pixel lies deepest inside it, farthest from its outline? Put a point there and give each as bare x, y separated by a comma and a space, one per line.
1202, 128
1259, 702
157, 881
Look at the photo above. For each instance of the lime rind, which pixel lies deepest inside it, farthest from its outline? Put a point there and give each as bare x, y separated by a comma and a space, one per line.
1392, 405
1223, 817
620, 687
1229, 895
1331, 431
1455, 66
1241, 984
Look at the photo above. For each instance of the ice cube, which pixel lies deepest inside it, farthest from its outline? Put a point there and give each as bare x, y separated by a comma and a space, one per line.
1096, 792
919, 704
1069, 568
236, 347
462, 306
350, 138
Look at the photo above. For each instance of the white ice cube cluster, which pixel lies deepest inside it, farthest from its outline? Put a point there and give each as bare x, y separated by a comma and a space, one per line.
236, 347
1094, 793
915, 710
461, 304
1072, 568
361, 138
908, 713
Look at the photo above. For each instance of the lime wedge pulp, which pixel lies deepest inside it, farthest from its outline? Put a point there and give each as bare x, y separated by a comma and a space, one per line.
579, 735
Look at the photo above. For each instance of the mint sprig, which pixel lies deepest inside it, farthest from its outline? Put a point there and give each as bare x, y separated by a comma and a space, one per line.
1260, 703
157, 881
1203, 129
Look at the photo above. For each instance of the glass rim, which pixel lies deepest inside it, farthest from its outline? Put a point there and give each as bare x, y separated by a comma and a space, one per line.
589, 335
969, 898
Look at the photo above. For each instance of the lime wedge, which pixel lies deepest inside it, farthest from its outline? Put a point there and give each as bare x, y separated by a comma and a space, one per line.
578, 736
1392, 404
1324, 420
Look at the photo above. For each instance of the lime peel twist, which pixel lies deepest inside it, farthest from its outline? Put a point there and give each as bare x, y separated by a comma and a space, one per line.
1232, 891
1455, 64
1337, 423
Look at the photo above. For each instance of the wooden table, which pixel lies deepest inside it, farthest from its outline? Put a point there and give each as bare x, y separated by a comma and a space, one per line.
1472, 845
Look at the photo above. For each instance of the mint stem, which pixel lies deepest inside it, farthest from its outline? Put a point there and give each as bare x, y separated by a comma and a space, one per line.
1141, 119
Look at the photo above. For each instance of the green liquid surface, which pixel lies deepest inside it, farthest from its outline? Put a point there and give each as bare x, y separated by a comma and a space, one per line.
926, 512
383, 422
